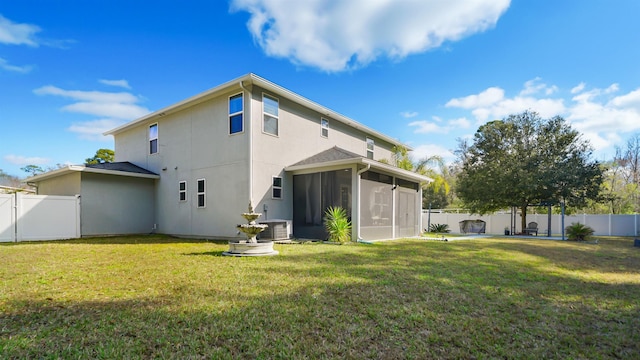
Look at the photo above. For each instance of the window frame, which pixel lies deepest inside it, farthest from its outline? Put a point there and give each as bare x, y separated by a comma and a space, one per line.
275, 187
202, 193
324, 127
182, 192
151, 139
370, 141
276, 117
235, 114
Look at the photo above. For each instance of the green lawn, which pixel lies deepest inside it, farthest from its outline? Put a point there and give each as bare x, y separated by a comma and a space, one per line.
159, 297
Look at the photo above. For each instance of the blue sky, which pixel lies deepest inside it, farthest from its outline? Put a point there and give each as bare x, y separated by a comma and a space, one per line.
424, 72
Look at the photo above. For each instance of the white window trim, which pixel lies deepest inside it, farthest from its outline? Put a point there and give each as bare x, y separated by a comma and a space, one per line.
322, 127
281, 187
366, 146
204, 194
277, 117
155, 138
241, 112
182, 191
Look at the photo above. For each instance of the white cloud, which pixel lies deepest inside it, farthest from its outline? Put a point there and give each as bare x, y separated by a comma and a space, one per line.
486, 98
427, 127
535, 86
17, 34
93, 130
24, 160
340, 35
4, 65
492, 104
121, 83
408, 114
113, 109
461, 123
578, 88
426, 150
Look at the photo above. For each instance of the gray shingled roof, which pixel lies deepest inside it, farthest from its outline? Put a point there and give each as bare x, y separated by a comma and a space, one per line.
121, 166
333, 154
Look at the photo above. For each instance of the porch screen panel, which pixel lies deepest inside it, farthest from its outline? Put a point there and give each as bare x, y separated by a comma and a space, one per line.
407, 221
313, 194
376, 206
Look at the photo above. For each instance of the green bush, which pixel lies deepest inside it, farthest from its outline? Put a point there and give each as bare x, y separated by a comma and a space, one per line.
337, 225
578, 232
439, 228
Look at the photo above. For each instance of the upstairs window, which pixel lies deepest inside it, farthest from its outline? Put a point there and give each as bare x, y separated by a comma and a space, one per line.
324, 126
153, 138
370, 147
236, 106
270, 114
276, 188
182, 191
201, 193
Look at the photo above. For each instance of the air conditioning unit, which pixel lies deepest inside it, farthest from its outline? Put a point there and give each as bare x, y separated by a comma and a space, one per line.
278, 230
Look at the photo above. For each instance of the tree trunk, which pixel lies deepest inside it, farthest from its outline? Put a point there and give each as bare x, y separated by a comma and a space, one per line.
523, 219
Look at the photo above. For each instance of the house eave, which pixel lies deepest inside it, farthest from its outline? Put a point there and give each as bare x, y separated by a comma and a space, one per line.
248, 80
80, 168
376, 165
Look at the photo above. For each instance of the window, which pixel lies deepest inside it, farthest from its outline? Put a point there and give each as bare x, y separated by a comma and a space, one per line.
324, 125
236, 104
276, 188
201, 193
370, 147
153, 138
270, 113
182, 190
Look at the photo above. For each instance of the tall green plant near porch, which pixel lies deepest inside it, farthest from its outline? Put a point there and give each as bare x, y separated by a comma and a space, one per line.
337, 225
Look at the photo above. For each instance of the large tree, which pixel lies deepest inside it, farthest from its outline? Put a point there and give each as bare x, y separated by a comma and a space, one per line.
525, 160
102, 156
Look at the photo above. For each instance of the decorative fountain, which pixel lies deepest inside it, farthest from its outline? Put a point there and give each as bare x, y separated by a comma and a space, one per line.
251, 246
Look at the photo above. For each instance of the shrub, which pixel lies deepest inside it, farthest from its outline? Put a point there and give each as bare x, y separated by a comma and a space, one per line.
578, 232
439, 228
337, 224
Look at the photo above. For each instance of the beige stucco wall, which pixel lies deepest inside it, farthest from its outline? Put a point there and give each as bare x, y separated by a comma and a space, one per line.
66, 185
299, 137
113, 205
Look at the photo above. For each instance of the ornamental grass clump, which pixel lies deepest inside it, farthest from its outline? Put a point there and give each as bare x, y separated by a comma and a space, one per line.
578, 232
439, 228
337, 225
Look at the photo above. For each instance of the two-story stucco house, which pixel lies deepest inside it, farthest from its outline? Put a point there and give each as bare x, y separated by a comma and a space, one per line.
192, 168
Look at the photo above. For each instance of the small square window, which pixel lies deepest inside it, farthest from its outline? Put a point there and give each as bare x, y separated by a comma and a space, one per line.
182, 191
201, 193
276, 188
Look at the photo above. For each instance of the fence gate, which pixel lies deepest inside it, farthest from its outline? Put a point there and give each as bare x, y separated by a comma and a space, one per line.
39, 217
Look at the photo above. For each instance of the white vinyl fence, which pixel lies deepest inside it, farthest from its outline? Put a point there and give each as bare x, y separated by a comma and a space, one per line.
39, 217
611, 225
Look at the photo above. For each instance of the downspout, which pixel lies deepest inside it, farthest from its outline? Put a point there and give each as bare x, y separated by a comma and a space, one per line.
359, 173
250, 159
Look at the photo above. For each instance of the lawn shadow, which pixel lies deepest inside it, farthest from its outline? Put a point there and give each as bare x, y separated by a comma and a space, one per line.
206, 253
140, 239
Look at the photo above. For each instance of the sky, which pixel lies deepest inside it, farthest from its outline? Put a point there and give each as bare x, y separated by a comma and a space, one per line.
427, 73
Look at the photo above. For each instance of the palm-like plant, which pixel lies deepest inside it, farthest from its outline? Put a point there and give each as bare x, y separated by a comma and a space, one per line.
439, 228
578, 231
337, 224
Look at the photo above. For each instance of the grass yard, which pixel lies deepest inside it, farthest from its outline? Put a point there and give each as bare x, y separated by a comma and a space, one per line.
159, 297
